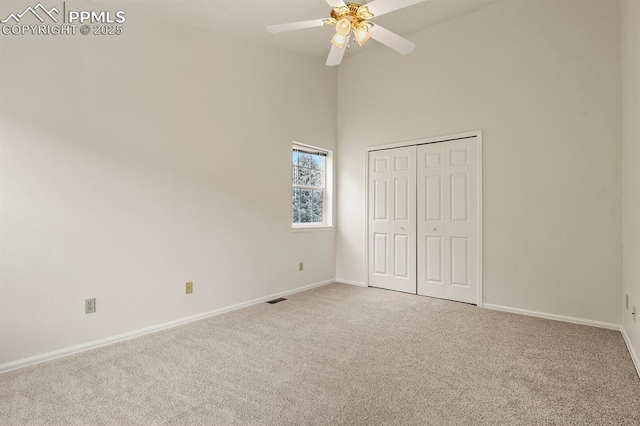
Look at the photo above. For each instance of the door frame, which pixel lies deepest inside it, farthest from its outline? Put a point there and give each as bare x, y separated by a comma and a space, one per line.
445, 138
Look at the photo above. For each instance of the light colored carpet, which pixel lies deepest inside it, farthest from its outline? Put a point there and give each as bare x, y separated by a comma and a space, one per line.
340, 355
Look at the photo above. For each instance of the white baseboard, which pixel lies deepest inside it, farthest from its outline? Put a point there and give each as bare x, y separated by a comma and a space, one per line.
632, 351
573, 320
350, 282
148, 330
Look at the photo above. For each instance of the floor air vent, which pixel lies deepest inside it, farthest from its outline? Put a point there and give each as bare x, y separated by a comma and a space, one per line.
282, 299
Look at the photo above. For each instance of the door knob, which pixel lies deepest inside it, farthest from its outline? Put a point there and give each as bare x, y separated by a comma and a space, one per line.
434, 229
402, 227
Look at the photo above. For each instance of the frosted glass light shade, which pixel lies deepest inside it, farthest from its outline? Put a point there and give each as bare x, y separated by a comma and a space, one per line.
338, 40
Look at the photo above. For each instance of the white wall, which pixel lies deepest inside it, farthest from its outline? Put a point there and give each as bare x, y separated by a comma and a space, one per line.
542, 80
132, 164
630, 20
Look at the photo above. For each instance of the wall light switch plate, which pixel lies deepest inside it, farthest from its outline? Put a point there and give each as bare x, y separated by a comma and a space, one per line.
301, 266
188, 288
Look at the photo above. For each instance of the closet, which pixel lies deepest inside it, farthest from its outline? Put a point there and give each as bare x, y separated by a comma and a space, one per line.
424, 219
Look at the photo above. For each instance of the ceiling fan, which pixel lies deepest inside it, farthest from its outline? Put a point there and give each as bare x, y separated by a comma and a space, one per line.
355, 17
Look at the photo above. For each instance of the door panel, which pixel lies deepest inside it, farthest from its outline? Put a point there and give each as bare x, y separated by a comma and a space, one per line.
433, 259
459, 197
401, 202
459, 157
380, 254
381, 165
460, 261
392, 219
433, 199
401, 256
448, 230
402, 162
380, 199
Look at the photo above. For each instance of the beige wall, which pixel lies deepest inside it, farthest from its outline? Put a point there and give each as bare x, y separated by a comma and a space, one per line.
132, 164
630, 14
542, 80
119, 175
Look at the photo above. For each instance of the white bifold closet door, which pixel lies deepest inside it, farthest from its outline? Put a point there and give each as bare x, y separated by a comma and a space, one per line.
423, 220
448, 234
392, 219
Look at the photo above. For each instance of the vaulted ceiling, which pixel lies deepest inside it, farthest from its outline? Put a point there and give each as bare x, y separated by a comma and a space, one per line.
248, 19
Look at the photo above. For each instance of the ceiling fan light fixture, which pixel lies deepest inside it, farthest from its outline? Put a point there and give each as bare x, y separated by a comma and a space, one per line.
362, 35
338, 40
343, 27
350, 17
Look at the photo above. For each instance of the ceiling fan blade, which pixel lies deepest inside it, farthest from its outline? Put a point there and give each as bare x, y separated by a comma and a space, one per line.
380, 7
392, 40
335, 3
336, 54
296, 25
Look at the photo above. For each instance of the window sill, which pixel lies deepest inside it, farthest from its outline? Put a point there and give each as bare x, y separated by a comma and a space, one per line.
312, 228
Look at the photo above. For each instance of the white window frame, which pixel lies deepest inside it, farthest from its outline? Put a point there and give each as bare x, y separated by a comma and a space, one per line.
327, 202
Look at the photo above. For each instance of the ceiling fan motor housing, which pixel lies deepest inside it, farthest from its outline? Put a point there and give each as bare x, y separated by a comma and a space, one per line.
356, 13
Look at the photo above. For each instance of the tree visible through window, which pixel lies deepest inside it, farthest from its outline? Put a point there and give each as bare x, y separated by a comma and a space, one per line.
308, 189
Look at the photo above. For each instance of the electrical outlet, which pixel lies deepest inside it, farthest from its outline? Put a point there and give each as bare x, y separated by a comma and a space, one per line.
90, 306
188, 288
301, 266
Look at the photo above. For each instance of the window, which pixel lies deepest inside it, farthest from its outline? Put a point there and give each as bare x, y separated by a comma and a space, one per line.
310, 192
